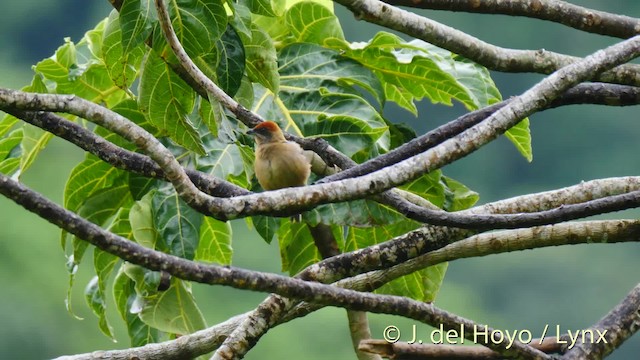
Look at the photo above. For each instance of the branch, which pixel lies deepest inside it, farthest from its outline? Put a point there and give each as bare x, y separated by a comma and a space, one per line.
245, 279
204, 341
611, 331
596, 232
562, 12
487, 55
464, 220
138, 163
429, 238
592, 93
117, 156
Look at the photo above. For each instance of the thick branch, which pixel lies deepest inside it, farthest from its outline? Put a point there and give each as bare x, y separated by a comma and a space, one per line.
458, 42
295, 199
562, 12
244, 279
117, 156
592, 93
610, 231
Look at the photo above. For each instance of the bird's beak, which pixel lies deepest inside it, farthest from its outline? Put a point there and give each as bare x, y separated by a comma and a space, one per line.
251, 132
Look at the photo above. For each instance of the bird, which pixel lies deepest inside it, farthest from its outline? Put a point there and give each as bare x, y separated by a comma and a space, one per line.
278, 163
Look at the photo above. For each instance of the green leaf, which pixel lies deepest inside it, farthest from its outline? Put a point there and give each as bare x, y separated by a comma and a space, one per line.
86, 179
8, 121
198, 24
266, 226
174, 310
166, 100
122, 62
215, 242
261, 58
231, 64
141, 220
422, 285
125, 297
429, 187
10, 143
297, 249
474, 78
361, 237
241, 20
225, 161
245, 93
520, 136
266, 7
405, 71
177, 223
9, 166
96, 301
136, 21
352, 213
312, 23
457, 195
140, 185
129, 108
34, 140
311, 67
98, 208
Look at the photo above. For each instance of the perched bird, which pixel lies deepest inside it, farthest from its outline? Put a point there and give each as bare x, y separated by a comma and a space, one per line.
279, 163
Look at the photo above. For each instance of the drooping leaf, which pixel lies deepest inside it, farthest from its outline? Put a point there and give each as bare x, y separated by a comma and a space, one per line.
297, 249
121, 59
10, 143
174, 310
231, 62
177, 223
520, 136
136, 21
457, 195
125, 297
94, 296
261, 59
87, 178
142, 223
166, 100
266, 226
215, 242
422, 285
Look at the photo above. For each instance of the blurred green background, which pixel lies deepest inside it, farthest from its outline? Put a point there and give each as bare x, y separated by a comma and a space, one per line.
567, 286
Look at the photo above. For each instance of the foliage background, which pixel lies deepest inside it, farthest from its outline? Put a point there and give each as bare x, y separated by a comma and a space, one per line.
569, 286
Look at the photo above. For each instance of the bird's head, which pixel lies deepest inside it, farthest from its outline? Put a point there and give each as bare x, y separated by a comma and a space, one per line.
266, 132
